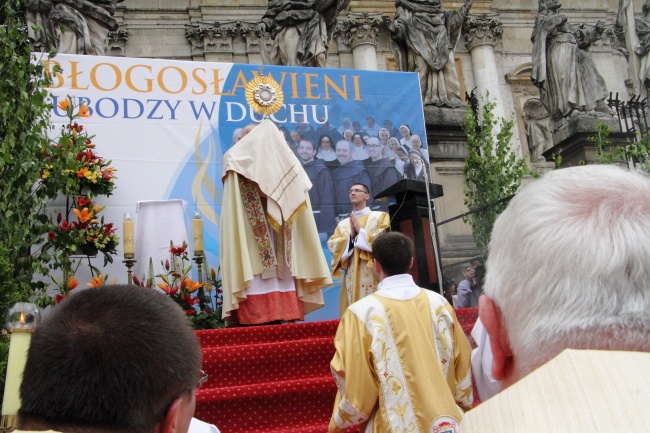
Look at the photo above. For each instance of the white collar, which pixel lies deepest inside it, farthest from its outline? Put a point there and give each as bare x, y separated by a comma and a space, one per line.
400, 287
362, 212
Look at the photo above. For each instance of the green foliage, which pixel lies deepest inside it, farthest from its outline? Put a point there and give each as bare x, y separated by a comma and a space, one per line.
24, 123
492, 170
557, 159
4, 356
636, 154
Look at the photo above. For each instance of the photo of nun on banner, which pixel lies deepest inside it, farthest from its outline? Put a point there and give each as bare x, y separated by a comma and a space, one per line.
416, 168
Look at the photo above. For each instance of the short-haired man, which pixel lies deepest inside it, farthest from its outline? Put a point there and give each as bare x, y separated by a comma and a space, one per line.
351, 247
566, 302
402, 361
350, 171
321, 194
112, 359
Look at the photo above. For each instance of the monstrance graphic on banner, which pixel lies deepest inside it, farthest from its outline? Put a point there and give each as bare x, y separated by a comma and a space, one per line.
264, 95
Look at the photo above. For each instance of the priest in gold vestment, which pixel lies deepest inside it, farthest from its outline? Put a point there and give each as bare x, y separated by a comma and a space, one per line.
272, 264
402, 361
351, 245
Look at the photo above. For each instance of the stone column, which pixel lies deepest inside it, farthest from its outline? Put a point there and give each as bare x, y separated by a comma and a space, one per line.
212, 41
117, 42
481, 33
360, 33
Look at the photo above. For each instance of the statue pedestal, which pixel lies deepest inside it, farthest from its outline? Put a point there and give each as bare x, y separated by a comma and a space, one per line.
445, 136
573, 143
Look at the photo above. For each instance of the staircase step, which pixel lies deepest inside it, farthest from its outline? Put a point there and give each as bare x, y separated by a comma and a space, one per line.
267, 389
258, 363
316, 428
287, 406
247, 335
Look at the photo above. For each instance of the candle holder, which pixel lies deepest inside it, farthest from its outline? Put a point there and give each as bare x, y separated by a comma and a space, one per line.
8, 423
198, 259
129, 262
21, 320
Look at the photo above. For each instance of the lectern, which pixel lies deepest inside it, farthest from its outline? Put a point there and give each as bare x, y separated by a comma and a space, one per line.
409, 214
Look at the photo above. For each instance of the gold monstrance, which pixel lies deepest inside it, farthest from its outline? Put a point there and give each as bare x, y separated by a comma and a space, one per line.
264, 95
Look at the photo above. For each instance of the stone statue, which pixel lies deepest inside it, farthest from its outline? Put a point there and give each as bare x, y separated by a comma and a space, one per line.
300, 29
563, 70
539, 137
641, 26
71, 26
425, 36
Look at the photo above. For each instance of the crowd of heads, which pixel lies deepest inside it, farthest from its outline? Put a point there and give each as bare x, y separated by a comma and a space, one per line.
325, 136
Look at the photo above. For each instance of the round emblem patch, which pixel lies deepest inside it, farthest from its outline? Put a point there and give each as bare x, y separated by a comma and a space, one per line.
444, 424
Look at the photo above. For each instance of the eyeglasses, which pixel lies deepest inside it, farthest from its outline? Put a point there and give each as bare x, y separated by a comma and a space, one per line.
358, 190
374, 145
202, 379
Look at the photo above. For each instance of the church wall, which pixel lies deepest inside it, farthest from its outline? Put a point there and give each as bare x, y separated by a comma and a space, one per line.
157, 28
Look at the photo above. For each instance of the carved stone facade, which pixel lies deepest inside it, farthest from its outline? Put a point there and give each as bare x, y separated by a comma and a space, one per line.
117, 42
360, 32
494, 53
482, 29
230, 41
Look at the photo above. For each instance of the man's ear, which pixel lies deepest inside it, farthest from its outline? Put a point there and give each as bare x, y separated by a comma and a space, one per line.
412, 261
376, 267
171, 422
502, 359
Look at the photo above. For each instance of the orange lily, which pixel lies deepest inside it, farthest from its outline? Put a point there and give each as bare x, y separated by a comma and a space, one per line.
190, 285
64, 104
171, 291
84, 111
84, 215
82, 172
97, 281
72, 283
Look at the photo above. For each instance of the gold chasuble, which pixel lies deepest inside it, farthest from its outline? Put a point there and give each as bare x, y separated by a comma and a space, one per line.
272, 264
401, 365
359, 281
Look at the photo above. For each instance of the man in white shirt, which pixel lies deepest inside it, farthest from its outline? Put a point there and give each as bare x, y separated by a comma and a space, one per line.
351, 246
402, 359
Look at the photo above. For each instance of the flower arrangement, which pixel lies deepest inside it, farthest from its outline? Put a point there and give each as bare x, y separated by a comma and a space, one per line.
72, 157
67, 284
85, 236
74, 169
201, 301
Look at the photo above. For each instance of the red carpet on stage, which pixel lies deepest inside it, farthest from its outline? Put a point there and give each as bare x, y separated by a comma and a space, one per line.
272, 379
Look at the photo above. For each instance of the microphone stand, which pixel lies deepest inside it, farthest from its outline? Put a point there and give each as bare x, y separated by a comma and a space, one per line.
433, 229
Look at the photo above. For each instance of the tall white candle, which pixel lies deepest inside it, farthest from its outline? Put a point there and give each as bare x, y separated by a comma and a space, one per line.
18, 347
197, 226
129, 239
